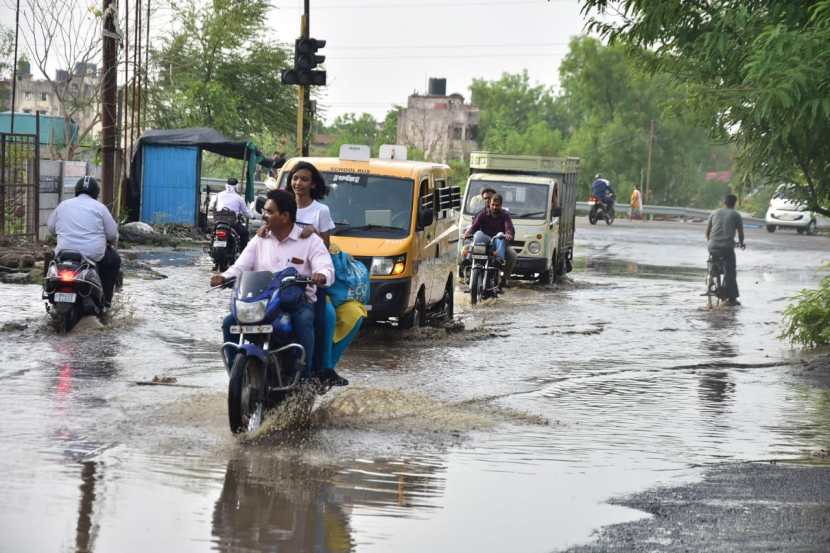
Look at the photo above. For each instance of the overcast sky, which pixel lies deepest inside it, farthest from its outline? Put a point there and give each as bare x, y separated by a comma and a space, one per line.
380, 51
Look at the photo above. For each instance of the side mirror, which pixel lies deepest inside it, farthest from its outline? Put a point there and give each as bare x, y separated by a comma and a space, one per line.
557, 212
425, 217
259, 204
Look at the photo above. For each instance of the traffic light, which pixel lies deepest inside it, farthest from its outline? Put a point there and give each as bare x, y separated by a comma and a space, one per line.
305, 60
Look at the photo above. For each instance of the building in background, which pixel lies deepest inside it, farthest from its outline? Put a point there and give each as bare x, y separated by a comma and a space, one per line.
443, 127
80, 91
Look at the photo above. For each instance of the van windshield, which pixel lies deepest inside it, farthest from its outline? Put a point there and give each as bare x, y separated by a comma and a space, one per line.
369, 205
523, 200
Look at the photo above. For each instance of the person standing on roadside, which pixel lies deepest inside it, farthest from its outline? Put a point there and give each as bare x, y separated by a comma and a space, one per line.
720, 232
636, 211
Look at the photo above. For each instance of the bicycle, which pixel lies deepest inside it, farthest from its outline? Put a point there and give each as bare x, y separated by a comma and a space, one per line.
714, 277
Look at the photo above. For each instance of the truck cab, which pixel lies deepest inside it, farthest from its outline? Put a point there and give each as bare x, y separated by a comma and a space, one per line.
540, 195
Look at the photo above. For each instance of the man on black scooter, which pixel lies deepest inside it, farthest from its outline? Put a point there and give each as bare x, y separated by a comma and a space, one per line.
85, 225
230, 200
280, 248
491, 222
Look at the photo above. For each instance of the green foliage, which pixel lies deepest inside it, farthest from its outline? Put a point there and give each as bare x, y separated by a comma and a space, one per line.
757, 74
219, 69
517, 117
6, 52
807, 321
612, 102
350, 128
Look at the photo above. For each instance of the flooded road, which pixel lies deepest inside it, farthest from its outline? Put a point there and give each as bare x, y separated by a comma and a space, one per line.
509, 435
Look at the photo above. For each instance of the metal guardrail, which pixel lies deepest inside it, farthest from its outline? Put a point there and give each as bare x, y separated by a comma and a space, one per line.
684, 213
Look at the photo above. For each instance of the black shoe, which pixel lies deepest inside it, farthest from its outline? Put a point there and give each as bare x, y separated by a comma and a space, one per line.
733, 302
329, 377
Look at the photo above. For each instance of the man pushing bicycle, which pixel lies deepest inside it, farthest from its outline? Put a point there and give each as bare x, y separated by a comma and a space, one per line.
720, 232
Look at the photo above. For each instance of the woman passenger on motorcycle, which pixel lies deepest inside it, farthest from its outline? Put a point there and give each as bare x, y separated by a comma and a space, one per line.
308, 187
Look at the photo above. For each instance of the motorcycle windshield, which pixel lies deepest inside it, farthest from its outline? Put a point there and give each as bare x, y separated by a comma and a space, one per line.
252, 284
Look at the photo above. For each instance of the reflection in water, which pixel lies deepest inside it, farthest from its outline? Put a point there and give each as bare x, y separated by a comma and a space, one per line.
86, 531
275, 503
723, 323
715, 391
270, 504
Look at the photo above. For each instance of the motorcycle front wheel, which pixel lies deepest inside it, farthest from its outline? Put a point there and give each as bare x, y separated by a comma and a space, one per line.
476, 285
246, 394
592, 216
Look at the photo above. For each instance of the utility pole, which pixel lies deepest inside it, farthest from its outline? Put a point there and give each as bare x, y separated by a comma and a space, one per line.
303, 90
108, 104
14, 66
646, 196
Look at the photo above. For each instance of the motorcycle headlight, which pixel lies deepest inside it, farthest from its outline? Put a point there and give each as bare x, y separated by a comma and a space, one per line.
534, 247
386, 266
250, 312
480, 249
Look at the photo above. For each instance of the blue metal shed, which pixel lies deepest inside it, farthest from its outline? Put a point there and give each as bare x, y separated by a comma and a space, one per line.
170, 184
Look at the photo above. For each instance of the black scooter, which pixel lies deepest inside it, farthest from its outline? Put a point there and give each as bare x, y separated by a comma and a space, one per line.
72, 289
225, 242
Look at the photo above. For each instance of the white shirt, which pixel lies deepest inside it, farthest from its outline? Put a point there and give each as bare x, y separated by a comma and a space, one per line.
307, 255
229, 199
84, 225
316, 214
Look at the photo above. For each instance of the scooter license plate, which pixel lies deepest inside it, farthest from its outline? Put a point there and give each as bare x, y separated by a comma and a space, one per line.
220, 243
65, 297
482, 257
251, 329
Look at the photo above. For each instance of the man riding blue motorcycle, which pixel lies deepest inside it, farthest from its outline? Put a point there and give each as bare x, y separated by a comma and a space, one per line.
283, 247
601, 189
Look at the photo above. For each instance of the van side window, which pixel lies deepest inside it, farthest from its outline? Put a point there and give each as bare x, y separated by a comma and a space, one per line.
441, 183
425, 198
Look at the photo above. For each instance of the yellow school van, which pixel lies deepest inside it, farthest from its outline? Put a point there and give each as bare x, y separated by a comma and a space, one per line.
398, 218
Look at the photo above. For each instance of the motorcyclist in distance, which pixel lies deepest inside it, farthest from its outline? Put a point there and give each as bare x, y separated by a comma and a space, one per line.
231, 200
601, 188
85, 225
492, 221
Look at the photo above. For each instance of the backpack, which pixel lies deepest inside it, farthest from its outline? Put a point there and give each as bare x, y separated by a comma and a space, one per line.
351, 279
291, 297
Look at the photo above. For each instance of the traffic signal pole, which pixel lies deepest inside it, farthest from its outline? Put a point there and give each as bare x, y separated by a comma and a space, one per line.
302, 90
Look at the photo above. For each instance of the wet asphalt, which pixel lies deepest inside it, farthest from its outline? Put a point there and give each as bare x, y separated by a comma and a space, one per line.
615, 412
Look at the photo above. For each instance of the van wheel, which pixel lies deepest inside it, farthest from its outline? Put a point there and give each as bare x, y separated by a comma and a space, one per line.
447, 304
415, 318
811, 228
770, 228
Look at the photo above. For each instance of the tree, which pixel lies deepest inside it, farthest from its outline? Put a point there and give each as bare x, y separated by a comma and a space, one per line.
67, 35
757, 71
611, 103
350, 128
511, 105
217, 68
6, 65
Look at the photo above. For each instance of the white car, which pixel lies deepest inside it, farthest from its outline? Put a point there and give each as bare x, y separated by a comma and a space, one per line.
784, 211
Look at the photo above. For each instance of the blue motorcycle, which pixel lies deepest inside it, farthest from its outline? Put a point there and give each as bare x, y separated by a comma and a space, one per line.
265, 364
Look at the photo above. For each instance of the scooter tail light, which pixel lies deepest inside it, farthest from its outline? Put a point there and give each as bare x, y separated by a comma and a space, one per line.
221, 234
66, 276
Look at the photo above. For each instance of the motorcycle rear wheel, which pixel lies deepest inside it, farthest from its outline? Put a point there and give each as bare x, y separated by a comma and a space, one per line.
246, 394
476, 285
609, 216
67, 320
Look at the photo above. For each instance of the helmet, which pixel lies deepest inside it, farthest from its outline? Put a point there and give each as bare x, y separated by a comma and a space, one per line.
89, 186
232, 182
597, 176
